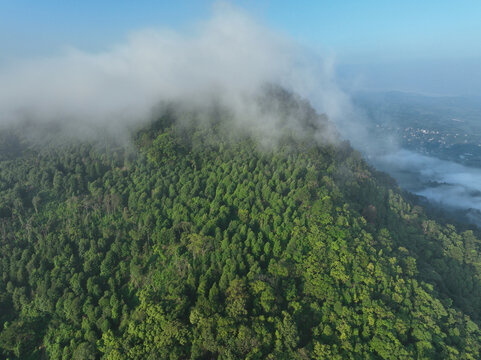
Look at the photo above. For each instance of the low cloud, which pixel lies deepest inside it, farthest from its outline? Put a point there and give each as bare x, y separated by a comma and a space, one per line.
226, 59
446, 183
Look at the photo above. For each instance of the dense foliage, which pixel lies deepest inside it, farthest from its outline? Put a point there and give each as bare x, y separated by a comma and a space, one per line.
200, 244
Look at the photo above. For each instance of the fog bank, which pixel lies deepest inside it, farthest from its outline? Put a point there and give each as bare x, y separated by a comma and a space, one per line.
225, 59
448, 184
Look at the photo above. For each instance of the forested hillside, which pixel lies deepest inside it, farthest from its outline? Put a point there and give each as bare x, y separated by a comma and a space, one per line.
197, 242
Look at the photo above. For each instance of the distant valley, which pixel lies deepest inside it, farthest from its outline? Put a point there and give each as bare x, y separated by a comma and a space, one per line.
430, 145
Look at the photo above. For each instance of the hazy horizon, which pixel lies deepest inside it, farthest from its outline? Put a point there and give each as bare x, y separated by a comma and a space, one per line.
429, 48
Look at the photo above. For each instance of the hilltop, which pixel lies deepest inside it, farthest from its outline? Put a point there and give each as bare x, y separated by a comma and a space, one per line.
202, 242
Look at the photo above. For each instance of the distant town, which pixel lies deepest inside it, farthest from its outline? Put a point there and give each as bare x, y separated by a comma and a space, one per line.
442, 143
448, 128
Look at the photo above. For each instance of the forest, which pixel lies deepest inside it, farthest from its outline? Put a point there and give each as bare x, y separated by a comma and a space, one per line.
194, 241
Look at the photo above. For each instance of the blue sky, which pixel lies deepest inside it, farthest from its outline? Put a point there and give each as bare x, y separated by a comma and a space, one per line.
367, 38
385, 30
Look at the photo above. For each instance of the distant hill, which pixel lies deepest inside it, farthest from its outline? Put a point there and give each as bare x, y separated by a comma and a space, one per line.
202, 242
